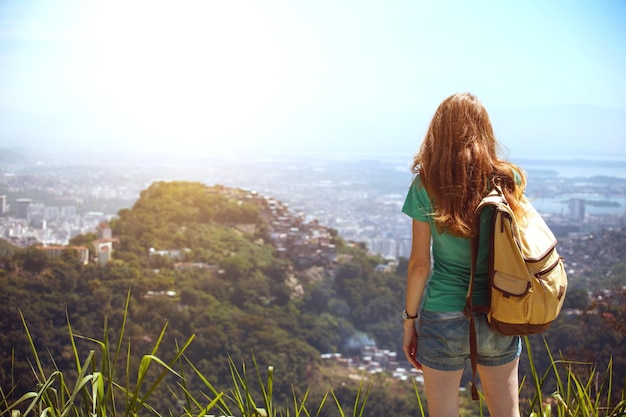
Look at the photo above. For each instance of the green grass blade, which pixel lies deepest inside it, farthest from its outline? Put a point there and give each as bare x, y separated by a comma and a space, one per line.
99, 405
341, 413
42, 394
419, 399
609, 388
146, 361
357, 397
557, 375
322, 403
267, 393
189, 399
536, 401
81, 381
23, 399
582, 398
300, 408
42, 375
108, 365
223, 407
72, 341
367, 394
241, 391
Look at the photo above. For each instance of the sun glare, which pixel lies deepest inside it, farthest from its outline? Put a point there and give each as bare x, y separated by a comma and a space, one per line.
205, 75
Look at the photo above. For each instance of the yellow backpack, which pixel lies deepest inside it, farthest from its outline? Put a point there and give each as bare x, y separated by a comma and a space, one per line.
527, 277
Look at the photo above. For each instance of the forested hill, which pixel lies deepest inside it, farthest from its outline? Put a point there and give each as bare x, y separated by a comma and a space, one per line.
234, 268
248, 277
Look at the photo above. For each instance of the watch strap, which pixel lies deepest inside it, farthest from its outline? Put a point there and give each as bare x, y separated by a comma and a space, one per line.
407, 316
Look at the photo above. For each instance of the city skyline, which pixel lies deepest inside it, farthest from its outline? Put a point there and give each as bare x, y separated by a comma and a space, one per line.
54, 202
245, 78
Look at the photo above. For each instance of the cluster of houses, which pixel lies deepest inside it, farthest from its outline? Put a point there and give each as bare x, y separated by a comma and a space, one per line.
307, 244
373, 361
103, 247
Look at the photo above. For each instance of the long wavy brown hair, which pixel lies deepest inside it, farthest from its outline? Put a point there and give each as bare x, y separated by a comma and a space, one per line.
458, 162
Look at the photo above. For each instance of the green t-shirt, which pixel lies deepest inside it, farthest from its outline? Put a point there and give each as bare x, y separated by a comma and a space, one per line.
452, 257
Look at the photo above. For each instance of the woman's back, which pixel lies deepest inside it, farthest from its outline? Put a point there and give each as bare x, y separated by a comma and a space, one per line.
457, 162
451, 257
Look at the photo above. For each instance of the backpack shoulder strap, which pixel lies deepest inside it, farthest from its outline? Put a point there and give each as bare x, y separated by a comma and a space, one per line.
494, 198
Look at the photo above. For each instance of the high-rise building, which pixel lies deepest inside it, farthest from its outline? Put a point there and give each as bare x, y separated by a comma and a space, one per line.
21, 206
404, 246
577, 209
3, 204
68, 212
51, 213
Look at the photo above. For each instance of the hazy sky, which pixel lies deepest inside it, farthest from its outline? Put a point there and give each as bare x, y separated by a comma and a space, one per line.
209, 77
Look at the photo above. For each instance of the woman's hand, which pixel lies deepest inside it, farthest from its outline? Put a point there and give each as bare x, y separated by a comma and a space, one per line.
409, 344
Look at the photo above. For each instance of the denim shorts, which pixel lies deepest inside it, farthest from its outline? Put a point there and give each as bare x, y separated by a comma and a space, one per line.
443, 341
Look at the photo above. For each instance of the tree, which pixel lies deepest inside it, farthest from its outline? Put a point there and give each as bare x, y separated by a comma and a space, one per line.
32, 259
577, 299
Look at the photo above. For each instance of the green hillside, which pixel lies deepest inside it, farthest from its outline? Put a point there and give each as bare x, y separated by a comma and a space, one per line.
201, 259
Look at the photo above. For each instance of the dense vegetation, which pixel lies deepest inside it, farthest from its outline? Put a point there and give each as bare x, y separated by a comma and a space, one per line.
243, 301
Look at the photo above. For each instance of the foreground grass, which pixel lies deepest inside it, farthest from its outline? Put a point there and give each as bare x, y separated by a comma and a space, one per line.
93, 389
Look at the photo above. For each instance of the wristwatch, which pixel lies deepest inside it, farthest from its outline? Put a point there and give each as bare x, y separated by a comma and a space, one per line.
407, 316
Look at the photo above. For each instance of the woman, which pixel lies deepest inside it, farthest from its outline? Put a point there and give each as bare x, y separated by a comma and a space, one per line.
455, 166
